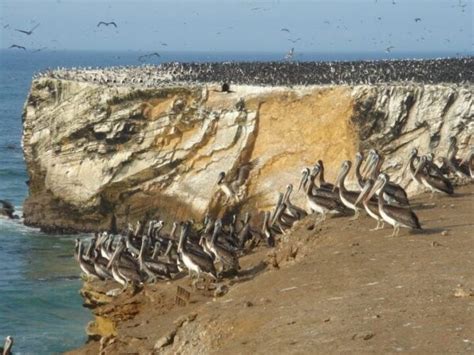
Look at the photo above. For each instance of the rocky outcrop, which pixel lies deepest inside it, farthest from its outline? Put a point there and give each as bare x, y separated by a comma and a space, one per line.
97, 154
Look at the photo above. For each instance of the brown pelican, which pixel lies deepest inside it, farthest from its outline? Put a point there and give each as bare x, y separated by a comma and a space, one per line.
454, 164
359, 158
394, 215
371, 206
321, 182
266, 230
7, 347
123, 267
227, 258
293, 211
410, 165
435, 183
198, 263
154, 269
393, 193
86, 266
348, 197
318, 203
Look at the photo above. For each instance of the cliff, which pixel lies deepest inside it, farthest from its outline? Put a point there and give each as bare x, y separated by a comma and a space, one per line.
99, 152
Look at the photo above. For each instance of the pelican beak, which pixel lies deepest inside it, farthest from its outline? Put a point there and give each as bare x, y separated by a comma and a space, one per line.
277, 213
338, 180
303, 180
116, 254
421, 164
375, 188
369, 166
362, 194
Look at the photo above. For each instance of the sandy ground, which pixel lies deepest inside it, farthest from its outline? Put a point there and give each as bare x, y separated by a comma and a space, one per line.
338, 288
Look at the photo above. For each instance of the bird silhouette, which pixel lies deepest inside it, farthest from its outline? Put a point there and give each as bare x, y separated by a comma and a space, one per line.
17, 46
417, 19
285, 30
389, 49
107, 24
294, 40
28, 33
145, 56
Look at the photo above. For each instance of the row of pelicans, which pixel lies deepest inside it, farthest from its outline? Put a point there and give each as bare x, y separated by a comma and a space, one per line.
212, 248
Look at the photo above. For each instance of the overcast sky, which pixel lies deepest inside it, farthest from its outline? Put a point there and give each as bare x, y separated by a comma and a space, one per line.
226, 25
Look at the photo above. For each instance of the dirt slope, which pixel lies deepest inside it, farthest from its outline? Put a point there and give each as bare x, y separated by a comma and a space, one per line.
337, 288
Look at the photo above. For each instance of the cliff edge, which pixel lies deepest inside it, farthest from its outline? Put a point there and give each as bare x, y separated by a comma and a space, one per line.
99, 153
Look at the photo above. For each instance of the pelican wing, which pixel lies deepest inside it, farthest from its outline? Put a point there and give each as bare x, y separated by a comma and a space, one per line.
404, 216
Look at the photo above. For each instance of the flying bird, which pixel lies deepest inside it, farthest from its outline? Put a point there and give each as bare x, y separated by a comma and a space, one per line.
389, 49
164, 44
145, 56
17, 46
294, 40
417, 19
285, 30
107, 24
28, 33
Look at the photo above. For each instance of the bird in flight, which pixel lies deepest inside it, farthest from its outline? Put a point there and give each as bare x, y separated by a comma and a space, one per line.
17, 46
107, 24
417, 19
389, 49
294, 40
285, 30
145, 56
28, 33
164, 44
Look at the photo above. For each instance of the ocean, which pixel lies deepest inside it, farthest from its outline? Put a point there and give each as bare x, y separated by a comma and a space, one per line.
40, 305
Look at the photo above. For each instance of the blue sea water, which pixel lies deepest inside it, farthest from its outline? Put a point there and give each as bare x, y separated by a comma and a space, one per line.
39, 301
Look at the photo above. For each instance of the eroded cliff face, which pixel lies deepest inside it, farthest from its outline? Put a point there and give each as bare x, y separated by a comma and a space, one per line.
96, 151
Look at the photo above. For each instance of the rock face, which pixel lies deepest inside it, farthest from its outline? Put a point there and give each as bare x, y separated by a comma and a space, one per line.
98, 153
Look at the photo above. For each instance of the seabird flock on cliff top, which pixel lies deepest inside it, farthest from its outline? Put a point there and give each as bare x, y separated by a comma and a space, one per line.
211, 248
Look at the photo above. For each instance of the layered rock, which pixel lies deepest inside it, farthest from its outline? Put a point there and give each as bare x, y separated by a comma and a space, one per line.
96, 153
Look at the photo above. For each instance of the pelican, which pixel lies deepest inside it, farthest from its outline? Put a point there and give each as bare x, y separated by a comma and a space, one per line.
266, 230
394, 215
199, 263
318, 203
348, 197
435, 183
7, 347
124, 268
154, 269
226, 257
293, 211
86, 267
359, 158
393, 193
371, 206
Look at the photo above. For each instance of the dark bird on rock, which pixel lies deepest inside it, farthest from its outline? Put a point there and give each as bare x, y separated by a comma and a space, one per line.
111, 23
28, 33
17, 46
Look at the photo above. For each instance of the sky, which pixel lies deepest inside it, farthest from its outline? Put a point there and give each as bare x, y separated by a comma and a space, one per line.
241, 26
